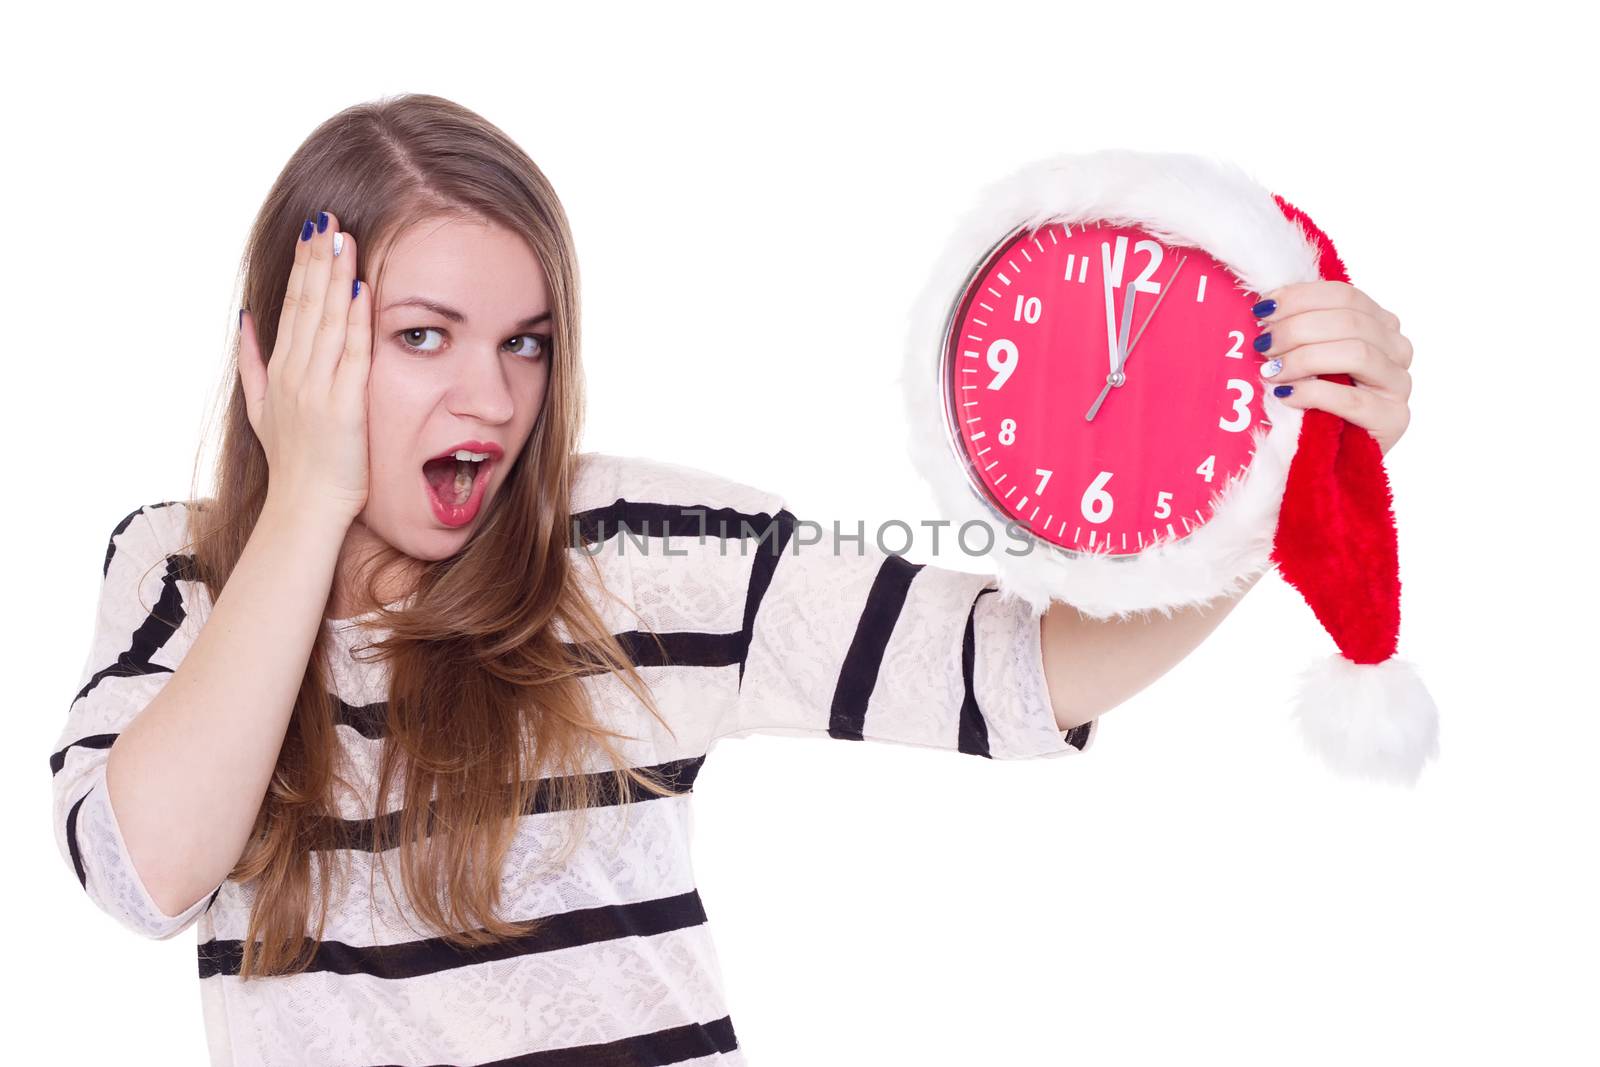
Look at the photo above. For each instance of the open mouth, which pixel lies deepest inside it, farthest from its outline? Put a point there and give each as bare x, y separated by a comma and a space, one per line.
453, 480
456, 487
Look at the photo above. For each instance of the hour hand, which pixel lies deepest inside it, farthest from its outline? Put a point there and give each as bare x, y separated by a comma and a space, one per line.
1129, 295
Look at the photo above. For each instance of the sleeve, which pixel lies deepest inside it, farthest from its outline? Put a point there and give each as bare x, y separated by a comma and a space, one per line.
139, 637
848, 641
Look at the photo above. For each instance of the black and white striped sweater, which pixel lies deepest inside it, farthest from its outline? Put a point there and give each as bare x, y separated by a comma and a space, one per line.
852, 644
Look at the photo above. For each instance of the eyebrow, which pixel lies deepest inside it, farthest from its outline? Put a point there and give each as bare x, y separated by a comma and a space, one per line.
447, 312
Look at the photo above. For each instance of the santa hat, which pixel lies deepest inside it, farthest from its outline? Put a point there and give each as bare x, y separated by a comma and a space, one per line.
1314, 500
1363, 710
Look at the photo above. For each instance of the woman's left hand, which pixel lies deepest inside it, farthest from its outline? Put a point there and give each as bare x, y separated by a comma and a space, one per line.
1329, 327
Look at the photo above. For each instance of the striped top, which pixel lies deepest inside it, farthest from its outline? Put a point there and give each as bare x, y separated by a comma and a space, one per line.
820, 638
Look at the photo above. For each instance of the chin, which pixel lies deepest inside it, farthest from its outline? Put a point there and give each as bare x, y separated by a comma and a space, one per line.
414, 532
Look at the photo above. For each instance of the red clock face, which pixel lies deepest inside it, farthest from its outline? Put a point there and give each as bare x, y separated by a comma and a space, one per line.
1082, 455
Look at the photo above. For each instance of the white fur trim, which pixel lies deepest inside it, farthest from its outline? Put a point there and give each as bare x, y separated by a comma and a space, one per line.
1182, 200
1370, 721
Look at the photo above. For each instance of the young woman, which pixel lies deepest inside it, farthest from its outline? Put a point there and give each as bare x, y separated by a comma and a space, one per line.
415, 631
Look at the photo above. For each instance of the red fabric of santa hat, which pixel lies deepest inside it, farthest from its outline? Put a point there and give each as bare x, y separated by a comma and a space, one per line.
1363, 710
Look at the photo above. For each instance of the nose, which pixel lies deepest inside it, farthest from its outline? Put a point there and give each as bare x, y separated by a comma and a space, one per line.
481, 391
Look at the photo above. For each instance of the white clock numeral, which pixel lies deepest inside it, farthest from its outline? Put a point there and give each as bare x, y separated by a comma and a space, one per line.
1003, 358
1241, 405
1042, 482
1163, 504
1112, 263
1143, 284
1237, 351
1027, 310
1096, 502
1209, 467
1200, 293
1008, 431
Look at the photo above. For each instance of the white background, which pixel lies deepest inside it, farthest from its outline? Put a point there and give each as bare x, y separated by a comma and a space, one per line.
757, 195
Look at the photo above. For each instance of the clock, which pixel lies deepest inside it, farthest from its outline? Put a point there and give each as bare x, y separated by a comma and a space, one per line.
1136, 400
1084, 401
1082, 388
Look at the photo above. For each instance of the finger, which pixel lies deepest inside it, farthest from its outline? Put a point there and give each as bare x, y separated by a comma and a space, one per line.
313, 290
1403, 350
1333, 324
252, 370
328, 344
1352, 356
291, 292
350, 377
1372, 411
1297, 297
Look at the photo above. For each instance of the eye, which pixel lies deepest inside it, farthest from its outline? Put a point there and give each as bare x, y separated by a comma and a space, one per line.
533, 355
404, 334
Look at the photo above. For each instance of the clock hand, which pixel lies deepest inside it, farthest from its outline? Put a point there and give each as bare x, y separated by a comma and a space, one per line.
1130, 296
1113, 350
1116, 375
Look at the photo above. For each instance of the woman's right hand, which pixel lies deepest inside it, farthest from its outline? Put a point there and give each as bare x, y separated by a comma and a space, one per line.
308, 404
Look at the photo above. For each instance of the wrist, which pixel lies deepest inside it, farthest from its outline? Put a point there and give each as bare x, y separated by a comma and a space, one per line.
318, 514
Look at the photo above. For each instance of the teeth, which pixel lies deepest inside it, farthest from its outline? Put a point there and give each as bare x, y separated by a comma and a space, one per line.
477, 457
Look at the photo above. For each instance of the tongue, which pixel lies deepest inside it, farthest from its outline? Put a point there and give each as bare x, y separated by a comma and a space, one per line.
441, 474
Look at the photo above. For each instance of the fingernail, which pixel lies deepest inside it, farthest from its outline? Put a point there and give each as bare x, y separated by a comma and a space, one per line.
355, 288
241, 318
1282, 390
1263, 342
1271, 367
1264, 308
322, 221
307, 230
338, 242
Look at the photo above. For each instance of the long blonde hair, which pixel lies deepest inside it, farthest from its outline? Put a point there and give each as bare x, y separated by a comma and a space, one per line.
485, 699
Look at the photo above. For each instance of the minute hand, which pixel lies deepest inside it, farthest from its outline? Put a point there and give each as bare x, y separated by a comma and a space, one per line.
1113, 346
1116, 375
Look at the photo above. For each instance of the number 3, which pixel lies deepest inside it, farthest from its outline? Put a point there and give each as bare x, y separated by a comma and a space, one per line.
1241, 405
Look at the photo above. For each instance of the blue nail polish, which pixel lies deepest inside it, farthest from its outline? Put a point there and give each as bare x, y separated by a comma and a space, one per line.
307, 229
355, 288
241, 318
1265, 308
322, 221
1263, 342
1282, 390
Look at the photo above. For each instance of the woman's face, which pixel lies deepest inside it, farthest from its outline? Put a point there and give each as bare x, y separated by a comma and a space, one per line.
460, 353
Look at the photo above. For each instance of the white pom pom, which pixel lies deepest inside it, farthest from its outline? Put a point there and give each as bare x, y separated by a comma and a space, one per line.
1372, 721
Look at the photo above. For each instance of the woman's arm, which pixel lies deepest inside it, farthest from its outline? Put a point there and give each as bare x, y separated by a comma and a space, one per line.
181, 711
187, 775
1308, 329
1092, 665
171, 744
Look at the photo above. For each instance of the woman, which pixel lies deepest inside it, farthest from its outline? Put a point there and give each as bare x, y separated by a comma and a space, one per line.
444, 642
